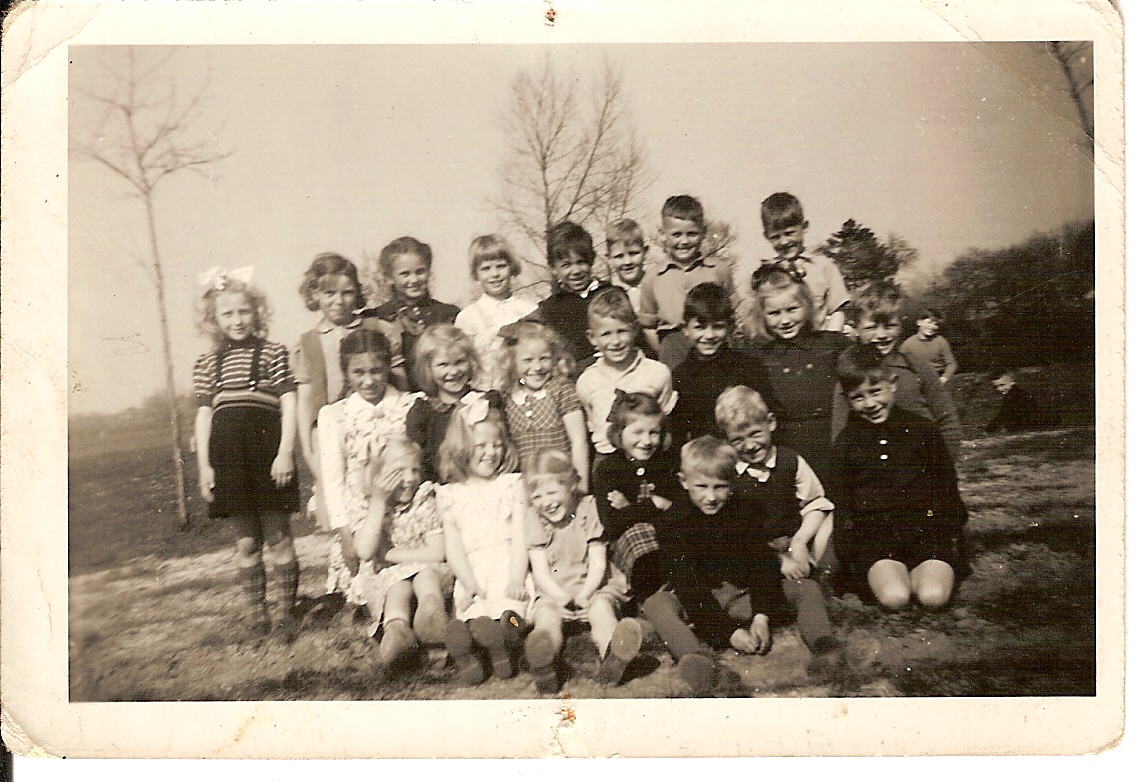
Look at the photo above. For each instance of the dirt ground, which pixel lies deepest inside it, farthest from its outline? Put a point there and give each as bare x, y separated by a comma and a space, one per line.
154, 611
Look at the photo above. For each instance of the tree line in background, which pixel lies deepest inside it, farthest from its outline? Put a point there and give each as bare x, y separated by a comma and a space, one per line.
1031, 303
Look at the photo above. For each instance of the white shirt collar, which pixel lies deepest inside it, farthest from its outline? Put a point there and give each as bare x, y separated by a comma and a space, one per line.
759, 471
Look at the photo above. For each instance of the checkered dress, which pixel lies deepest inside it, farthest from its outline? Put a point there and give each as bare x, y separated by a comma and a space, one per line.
535, 418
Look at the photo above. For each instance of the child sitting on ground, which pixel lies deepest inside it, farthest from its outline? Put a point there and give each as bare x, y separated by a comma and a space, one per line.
928, 344
786, 498
896, 483
663, 291
633, 485
711, 366
352, 434
918, 388
482, 504
568, 562
712, 551
402, 534
621, 366
1019, 411
782, 219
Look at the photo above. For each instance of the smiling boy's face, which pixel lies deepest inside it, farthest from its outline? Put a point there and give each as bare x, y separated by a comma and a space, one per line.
628, 261
872, 400
753, 440
788, 242
613, 339
881, 333
706, 338
927, 327
682, 239
708, 492
573, 272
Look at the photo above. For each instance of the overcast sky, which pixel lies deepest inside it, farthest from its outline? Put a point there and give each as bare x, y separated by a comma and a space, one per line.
344, 148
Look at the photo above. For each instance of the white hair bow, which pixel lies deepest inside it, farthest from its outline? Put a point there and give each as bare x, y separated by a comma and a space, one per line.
217, 277
474, 407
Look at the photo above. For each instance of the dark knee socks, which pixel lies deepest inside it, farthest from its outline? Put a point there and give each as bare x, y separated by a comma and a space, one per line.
646, 577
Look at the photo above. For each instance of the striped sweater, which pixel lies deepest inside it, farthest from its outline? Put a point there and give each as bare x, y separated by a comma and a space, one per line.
251, 372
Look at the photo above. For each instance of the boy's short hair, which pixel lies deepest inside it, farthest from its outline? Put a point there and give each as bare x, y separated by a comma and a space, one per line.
683, 207
1000, 372
624, 232
882, 301
611, 303
740, 405
708, 303
860, 364
709, 456
566, 238
780, 211
929, 312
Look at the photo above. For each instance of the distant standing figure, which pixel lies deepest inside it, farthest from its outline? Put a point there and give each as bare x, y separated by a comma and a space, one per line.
929, 345
1019, 411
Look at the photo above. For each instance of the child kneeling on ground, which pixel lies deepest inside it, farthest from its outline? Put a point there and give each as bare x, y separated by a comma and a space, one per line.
568, 561
711, 551
896, 483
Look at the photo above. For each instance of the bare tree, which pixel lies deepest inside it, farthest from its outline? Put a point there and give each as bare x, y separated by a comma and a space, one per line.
1074, 58
572, 155
147, 132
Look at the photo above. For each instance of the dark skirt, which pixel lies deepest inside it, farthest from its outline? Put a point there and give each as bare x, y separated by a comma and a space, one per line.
244, 442
909, 537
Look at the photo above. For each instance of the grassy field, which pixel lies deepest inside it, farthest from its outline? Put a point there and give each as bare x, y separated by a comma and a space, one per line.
152, 608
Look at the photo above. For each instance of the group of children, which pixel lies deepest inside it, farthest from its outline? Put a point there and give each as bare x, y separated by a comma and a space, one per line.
493, 474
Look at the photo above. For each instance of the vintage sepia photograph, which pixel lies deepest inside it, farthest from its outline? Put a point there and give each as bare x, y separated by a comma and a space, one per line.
590, 370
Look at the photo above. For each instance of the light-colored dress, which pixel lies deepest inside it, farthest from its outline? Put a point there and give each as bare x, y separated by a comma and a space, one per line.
481, 321
352, 435
567, 550
409, 528
485, 512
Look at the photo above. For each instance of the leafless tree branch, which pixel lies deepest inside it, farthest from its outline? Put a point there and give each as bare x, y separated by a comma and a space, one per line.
571, 154
146, 133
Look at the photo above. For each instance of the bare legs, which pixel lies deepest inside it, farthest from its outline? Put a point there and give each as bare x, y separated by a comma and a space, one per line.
931, 582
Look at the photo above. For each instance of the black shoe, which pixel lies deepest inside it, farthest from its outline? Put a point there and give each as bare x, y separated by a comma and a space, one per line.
460, 647
490, 637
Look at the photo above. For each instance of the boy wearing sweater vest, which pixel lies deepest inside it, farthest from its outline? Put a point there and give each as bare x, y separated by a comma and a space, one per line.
777, 488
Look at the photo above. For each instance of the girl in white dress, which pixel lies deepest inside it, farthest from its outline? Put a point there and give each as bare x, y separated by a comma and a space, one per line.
403, 535
494, 266
352, 434
482, 504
